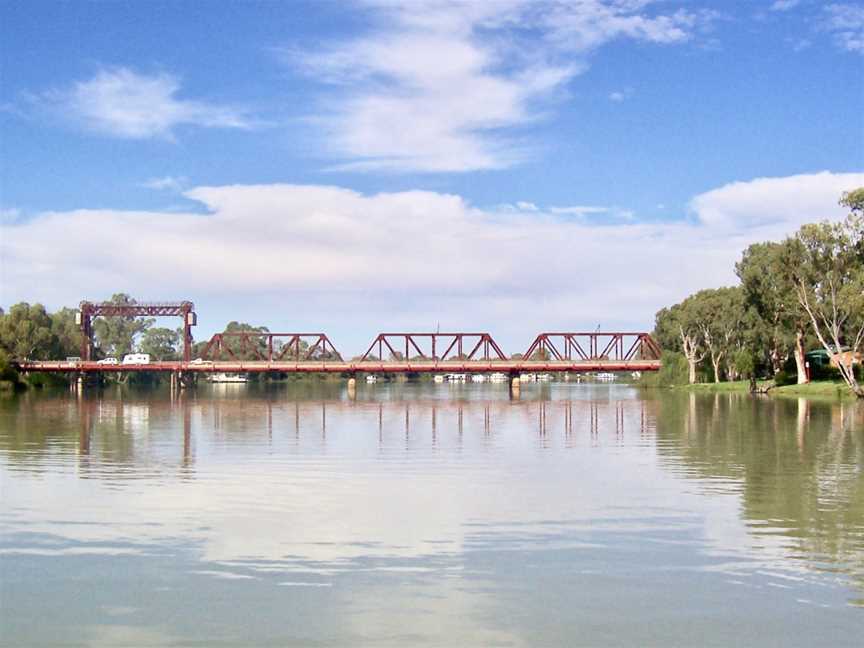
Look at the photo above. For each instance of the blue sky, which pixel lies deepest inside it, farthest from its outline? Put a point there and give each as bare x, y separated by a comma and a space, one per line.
519, 162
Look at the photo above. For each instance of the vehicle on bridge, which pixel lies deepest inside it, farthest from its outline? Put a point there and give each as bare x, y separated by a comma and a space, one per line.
108, 361
136, 359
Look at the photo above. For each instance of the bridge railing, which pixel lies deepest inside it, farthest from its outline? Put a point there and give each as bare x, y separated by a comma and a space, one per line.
270, 347
596, 345
434, 346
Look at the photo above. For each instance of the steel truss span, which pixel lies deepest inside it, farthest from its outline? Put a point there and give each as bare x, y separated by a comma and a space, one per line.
255, 352
424, 352
270, 347
444, 366
435, 346
594, 346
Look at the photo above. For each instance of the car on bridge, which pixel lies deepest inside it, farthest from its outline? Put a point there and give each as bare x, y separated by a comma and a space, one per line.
108, 361
136, 359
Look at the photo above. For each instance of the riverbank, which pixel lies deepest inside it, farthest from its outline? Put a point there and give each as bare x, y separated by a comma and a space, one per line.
816, 389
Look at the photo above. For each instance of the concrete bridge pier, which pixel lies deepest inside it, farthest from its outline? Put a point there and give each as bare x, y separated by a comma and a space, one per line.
515, 386
352, 387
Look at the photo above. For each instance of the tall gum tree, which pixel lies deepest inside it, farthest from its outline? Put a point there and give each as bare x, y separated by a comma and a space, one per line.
826, 263
679, 327
768, 287
718, 313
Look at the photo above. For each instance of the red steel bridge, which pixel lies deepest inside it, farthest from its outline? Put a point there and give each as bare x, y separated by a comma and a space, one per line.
456, 352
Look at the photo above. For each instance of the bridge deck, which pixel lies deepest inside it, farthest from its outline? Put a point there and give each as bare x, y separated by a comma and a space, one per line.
429, 366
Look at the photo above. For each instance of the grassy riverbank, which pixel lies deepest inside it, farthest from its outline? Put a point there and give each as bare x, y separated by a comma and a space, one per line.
822, 389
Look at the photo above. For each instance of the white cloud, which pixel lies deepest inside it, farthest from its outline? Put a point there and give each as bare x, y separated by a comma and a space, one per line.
620, 95
846, 23
440, 83
774, 204
122, 103
409, 258
784, 5
167, 183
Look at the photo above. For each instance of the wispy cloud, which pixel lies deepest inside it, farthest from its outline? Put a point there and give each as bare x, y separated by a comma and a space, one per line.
619, 96
846, 23
167, 183
784, 5
440, 85
120, 102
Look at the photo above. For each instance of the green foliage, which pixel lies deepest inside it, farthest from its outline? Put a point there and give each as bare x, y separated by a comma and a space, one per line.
853, 200
7, 371
161, 343
706, 324
826, 263
67, 333
674, 369
115, 336
770, 293
25, 332
744, 362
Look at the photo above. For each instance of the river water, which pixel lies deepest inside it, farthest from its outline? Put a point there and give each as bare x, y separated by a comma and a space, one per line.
417, 515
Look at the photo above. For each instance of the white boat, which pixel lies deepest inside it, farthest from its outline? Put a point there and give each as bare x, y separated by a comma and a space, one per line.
527, 377
228, 378
478, 378
371, 378
456, 378
438, 378
544, 377
498, 378
605, 377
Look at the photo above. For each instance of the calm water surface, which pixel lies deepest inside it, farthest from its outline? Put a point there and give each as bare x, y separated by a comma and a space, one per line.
429, 515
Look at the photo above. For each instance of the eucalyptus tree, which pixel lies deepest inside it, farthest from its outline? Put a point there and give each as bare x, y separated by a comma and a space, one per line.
719, 314
826, 264
678, 327
116, 335
160, 343
67, 332
25, 332
769, 289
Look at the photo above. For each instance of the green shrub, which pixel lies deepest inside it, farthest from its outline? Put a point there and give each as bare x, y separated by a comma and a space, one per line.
785, 377
8, 373
673, 370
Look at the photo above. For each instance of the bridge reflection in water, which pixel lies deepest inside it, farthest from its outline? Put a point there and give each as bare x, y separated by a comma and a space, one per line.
224, 412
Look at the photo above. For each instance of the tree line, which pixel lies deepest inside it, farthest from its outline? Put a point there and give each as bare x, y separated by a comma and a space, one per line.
801, 293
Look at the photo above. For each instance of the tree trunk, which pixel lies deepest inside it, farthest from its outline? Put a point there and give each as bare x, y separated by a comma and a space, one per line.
691, 362
845, 364
776, 360
716, 363
799, 357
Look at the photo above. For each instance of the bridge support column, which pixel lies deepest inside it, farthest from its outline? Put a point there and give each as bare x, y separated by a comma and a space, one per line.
352, 387
515, 386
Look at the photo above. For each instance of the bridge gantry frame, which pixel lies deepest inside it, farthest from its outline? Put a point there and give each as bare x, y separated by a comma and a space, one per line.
87, 311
